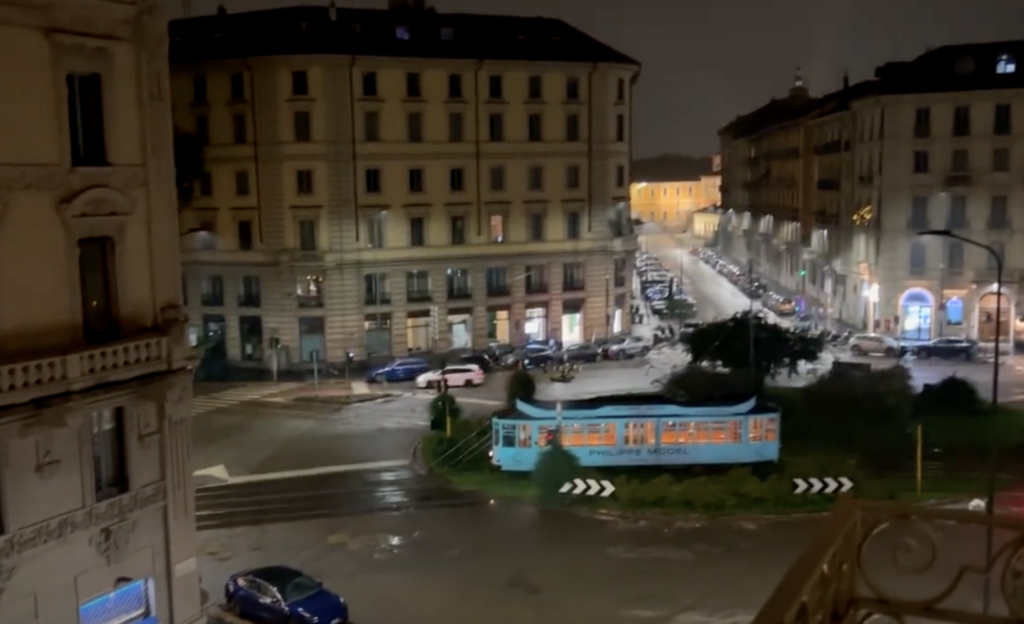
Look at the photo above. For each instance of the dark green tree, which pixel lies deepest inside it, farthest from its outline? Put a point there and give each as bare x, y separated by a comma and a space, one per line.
520, 385
700, 385
442, 407
555, 468
188, 164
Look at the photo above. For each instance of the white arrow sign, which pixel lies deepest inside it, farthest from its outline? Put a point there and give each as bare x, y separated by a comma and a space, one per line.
588, 487
595, 487
816, 485
830, 485
801, 486
825, 485
846, 483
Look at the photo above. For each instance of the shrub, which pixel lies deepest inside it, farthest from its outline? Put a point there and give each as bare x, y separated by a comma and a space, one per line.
700, 385
466, 449
953, 395
521, 385
555, 468
442, 407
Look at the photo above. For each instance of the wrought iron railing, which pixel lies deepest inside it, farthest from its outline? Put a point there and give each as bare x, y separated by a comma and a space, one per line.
882, 562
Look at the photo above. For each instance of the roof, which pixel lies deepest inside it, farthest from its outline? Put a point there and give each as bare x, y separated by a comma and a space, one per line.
372, 32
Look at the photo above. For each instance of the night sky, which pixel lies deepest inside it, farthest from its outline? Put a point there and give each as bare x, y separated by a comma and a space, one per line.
705, 62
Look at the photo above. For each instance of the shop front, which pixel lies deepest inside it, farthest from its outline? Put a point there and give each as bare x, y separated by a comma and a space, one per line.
572, 323
535, 327
498, 325
131, 602
419, 331
915, 321
460, 328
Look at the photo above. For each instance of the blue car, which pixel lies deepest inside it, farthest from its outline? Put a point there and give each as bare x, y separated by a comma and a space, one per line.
402, 369
283, 595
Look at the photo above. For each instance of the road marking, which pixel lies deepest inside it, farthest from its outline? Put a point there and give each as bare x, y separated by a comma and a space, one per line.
360, 387
234, 396
458, 399
308, 472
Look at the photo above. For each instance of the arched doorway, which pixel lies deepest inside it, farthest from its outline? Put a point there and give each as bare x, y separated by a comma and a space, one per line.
916, 306
987, 317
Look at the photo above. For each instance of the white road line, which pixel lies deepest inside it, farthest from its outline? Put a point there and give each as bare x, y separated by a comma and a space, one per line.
360, 387
234, 396
323, 470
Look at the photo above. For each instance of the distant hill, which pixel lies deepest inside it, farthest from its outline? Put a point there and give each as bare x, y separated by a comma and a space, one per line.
670, 167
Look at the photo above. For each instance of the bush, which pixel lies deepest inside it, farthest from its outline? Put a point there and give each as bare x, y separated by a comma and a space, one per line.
442, 407
952, 395
554, 469
468, 448
701, 385
521, 385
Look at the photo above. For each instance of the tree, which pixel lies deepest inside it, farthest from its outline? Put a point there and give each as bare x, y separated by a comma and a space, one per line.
555, 467
443, 407
700, 385
188, 164
521, 385
750, 343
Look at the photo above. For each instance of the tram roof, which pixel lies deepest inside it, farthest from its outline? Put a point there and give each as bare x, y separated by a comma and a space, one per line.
639, 405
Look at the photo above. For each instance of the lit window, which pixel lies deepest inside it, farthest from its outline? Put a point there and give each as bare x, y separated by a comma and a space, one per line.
402, 32
1006, 64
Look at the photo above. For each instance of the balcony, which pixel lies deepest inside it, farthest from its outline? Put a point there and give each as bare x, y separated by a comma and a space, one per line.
625, 244
457, 294
828, 184
866, 180
886, 562
988, 275
536, 287
250, 300
832, 147
498, 290
310, 301
376, 299
21, 382
418, 296
958, 180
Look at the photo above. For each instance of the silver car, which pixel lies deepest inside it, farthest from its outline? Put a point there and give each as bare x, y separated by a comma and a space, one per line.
629, 348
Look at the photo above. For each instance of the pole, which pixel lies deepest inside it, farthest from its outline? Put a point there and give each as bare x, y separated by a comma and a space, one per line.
919, 459
273, 361
447, 410
316, 369
607, 306
750, 312
990, 504
558, 421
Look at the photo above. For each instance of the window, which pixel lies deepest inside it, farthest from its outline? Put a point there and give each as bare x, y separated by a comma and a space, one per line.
960, 161
312, 339
372, 180
957, 212
250, 335
998, 213
370, 84
454, 86
572, 225
1000, 248
456, 180
304, 182
620, 272
620, 176
962, 121
497, 228
458, 230
417, 286
244, 235
417, 232
572, 89
572, 128
572, 276
536, 279
307, 235
535, 178
572, 177
237, 87
620, 90
920, 161
1006, 64
535, 127
1001, 160
536, 223
497, 282
535, 88
494, 87
98, 284
414, 127
239, 129
300, 83
923, 122
203, 129
309, 292
458, 284
85, 120
211, 291
206, 184
639, 433
620, 128
199, 90
241, 183
375, 230
302, 126
371, 126
415, 180
249, 297
1001, 123
918, 258
412, 85
375, 289
209, 241
954, 257
456, 124
109, 453
919, 213
497, 178
496, 127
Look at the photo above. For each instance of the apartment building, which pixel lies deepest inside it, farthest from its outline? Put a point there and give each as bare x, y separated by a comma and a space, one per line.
829, 193
384, 182
96, 513
672, 203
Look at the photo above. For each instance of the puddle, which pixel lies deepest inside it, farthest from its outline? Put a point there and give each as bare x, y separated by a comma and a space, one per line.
378, 545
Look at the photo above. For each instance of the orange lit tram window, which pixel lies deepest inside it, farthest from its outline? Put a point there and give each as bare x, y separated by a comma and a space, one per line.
771, 429
639, 433
756, 433
525, 436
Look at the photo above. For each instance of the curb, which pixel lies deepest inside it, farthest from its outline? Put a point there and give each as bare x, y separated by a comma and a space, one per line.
416, 458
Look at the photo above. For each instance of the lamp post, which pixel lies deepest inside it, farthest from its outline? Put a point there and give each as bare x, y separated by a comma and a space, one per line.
991, 500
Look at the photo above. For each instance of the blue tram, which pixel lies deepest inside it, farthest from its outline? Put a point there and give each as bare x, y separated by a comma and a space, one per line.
637, 430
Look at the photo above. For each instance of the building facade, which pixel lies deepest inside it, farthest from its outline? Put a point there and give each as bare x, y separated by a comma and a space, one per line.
672, 204
829, 194
96, 511
392, 182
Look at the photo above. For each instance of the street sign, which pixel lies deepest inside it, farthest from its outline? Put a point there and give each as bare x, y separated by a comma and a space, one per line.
588, 487
827, 485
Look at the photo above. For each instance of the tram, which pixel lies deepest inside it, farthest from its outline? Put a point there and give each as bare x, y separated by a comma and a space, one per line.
637, 430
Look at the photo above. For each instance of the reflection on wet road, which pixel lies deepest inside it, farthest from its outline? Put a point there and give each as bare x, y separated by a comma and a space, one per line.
321, 496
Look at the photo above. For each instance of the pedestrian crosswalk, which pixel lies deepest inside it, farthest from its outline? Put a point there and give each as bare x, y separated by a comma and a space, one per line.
239, 394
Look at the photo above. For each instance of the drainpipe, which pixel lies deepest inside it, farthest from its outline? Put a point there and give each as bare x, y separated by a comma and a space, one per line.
590, 147
255, 149
353, 144
476, 152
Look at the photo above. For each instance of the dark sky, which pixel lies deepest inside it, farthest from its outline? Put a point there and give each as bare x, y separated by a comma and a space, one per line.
705, 62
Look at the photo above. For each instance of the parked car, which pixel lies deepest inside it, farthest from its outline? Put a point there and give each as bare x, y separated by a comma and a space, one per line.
874, 344
402, 369
628, 348
947, 349
605, 346
584, 352
530, 356
283, 595
456, 376
482, 360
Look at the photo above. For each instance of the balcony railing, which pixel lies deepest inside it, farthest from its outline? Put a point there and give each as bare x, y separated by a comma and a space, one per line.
958, 179
498, 290
21, 382
418, 296
886, 562
459, 293
828, 184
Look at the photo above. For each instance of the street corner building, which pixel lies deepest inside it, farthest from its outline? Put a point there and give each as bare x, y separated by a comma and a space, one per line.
96, 517
390, 181
827, 194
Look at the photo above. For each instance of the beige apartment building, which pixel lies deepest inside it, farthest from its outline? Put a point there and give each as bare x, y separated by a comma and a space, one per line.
96, 511
385, 182
672, 203
828, 194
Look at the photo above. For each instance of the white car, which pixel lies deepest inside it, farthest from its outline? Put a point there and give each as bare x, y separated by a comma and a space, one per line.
874, 344
463, 375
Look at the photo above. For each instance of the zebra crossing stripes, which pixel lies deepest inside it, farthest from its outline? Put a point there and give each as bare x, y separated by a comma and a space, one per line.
237, 395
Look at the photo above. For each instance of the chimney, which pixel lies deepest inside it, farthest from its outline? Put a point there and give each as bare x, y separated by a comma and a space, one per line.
221, 10
846, 80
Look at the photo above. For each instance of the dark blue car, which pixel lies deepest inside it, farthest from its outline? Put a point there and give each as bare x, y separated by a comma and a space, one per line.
402, 369
283, 595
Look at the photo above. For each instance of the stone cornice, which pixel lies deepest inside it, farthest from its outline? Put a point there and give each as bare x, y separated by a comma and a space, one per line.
66, 180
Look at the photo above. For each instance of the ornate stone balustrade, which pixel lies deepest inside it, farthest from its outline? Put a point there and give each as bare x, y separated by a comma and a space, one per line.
878, 562
21, 382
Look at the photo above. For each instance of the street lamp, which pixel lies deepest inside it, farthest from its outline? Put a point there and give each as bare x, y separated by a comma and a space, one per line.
990, 503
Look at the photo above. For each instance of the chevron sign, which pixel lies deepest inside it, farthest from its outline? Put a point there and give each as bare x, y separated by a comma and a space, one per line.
588, 487
827, 485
